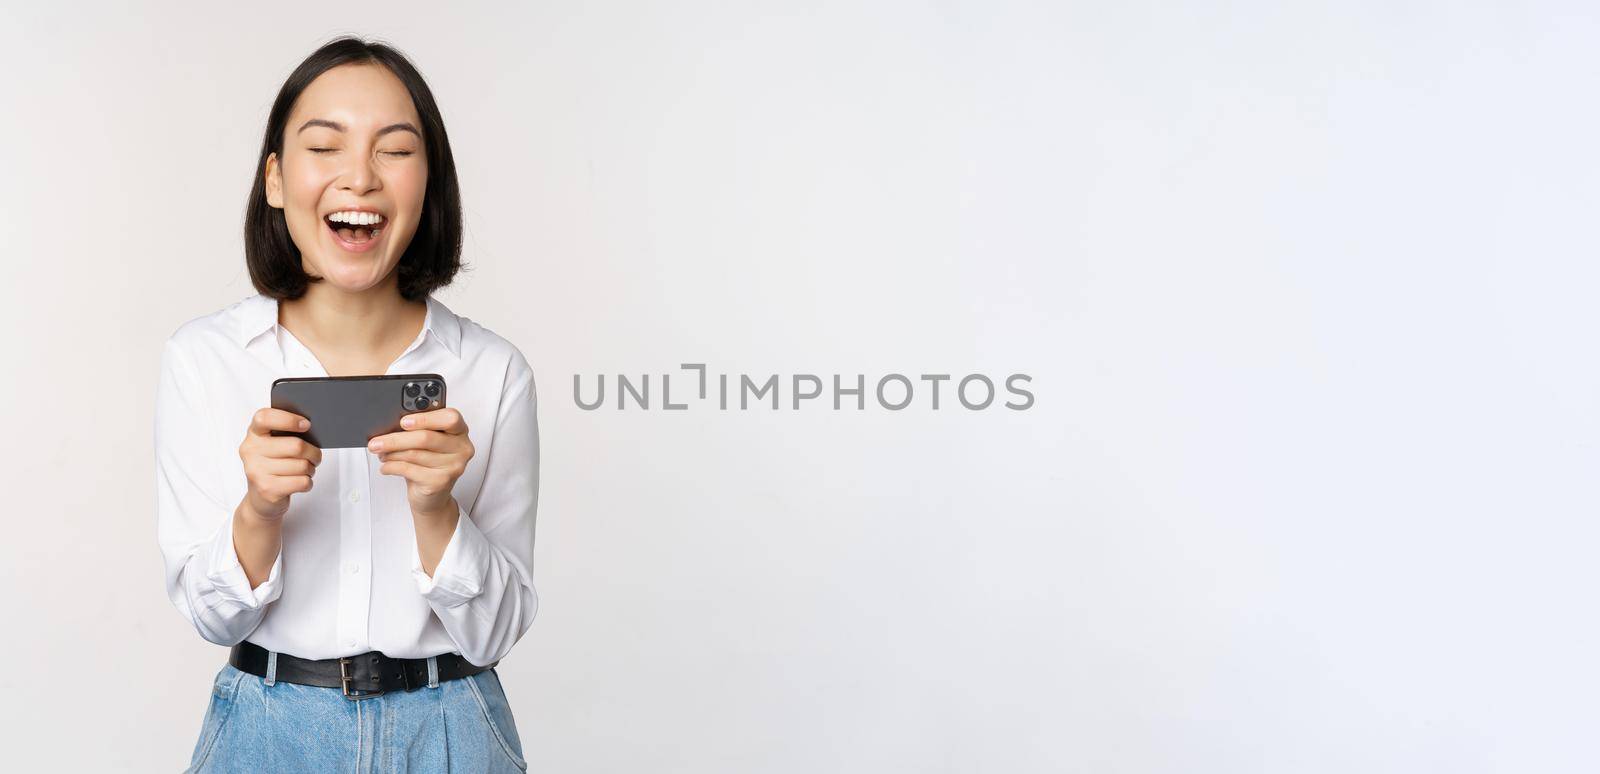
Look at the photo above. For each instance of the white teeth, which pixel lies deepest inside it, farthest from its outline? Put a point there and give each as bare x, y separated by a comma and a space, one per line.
355, 218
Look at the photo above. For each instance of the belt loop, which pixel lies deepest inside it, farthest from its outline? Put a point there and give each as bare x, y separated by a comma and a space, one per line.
433, 671
272, 667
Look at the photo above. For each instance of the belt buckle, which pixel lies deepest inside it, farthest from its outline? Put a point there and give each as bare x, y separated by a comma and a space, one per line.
344, 683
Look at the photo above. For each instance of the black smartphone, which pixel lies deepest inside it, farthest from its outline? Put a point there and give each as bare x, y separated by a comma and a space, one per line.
348, 411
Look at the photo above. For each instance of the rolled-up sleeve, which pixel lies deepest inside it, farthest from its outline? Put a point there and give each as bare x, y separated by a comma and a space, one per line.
194, 523
482, 588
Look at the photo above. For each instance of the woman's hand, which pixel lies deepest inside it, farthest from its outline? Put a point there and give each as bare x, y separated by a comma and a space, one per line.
276, 466
431, 455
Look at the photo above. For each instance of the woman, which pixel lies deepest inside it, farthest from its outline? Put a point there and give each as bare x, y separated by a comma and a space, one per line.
366, 593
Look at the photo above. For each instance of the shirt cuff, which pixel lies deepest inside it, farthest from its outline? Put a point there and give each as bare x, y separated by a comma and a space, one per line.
228, 577
459, 575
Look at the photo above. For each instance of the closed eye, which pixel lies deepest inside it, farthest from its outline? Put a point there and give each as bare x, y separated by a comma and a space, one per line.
330, 150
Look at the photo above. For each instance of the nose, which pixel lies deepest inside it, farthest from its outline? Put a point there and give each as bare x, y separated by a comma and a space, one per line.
358, 176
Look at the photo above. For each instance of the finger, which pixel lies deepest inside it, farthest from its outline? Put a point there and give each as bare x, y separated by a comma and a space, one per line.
294, 484
424, 457
445, 420
412, 439
428, 478
286, 447
282, 466
265, 420
275, 488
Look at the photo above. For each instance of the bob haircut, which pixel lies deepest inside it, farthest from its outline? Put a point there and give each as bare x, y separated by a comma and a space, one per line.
432, 258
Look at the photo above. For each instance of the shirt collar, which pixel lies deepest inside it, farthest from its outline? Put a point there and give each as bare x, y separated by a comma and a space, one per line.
259, 313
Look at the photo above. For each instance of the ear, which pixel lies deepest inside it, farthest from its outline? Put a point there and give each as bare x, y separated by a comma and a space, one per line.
274, 181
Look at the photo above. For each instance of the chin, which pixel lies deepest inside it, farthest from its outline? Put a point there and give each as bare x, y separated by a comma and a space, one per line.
352, 279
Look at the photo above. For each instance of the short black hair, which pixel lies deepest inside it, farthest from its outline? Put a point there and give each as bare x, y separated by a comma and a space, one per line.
432, 258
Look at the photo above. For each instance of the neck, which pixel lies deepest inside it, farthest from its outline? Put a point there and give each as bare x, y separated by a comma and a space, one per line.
351, 324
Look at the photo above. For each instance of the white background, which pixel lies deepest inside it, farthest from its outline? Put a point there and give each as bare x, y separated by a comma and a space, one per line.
1307, 291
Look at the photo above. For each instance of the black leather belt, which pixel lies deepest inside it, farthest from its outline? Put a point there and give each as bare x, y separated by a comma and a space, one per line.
358, 677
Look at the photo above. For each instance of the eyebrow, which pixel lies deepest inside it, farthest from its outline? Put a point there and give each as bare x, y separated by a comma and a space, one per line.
403, 126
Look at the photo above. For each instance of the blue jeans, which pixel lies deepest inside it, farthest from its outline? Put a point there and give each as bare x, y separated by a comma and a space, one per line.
254, 725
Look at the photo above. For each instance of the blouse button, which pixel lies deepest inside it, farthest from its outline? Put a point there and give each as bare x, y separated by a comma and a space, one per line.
353, 568
355, 496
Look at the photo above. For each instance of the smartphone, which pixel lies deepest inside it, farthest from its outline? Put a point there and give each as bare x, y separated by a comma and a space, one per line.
348, 411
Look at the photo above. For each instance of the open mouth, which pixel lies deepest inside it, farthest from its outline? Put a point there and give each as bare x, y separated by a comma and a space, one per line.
355, 231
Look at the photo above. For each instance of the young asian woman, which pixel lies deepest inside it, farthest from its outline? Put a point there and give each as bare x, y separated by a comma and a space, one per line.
366, 595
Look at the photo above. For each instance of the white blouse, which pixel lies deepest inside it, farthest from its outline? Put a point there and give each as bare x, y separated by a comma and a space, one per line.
349, 577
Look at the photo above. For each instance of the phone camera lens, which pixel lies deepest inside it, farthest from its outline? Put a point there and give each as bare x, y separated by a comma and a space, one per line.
411, 389
432, 389
422, 403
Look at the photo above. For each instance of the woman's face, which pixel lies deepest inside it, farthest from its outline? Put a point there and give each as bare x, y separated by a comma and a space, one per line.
352, 153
